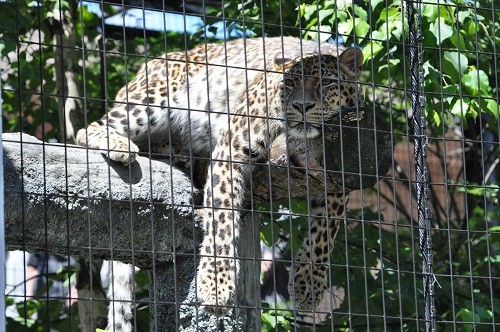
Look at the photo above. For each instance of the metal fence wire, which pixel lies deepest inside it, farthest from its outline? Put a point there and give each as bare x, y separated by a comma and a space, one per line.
281, 165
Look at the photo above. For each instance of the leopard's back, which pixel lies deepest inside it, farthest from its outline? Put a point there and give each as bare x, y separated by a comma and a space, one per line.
188, 96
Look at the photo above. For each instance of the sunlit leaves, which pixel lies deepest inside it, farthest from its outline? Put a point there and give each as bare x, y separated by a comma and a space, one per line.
345, 28
362, 28
374, 3
476, 82
441, 31
460, 107
458, 60
390, 14
473, 314
372, 49
493, 108
337, 18
276, 318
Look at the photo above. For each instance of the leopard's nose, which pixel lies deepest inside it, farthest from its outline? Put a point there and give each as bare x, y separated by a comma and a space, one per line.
303, 106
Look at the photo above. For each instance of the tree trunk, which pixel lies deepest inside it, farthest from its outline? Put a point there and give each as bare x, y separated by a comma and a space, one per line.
65, 57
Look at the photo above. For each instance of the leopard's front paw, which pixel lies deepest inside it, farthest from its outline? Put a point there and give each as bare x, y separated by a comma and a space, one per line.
307, 285
216, 285
119, 149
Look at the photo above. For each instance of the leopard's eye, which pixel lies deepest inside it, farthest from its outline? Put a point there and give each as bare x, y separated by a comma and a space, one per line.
327, 82
289, 83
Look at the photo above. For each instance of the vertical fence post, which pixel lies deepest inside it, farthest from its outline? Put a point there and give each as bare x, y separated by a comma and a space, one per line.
2, 232
421, 167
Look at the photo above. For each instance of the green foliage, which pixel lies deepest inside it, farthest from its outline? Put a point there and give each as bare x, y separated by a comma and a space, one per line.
46, 312
28, 86
284, 217
375, 265
37, 313
257, 18
276, 317
459, 84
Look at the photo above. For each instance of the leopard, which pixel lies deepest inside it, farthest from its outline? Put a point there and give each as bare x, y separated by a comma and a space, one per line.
228, 102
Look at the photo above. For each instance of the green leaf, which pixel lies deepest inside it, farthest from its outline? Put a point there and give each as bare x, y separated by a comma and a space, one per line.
345, 28
473, 110
441, 31
362, 28
466, 315
462, 15
269, 233
475, 191
460, 108
342, 15
483, 313
447, 14
392, 63
375, 3
390, 14
397, 29
458, 60
458, 41
430, 72
324, 13
269, 319
28, 308
435, 116
378, 35
360, 12
430, 11
308, 11
302, 10
9, 301
476, 81
492, 107
323, 33
28, 322
449, 92
372, 49
312, 23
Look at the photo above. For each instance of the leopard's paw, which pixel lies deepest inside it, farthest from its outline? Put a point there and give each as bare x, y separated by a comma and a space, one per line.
119, 149
216, 285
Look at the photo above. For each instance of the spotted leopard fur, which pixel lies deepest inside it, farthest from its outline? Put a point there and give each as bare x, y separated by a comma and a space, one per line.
230, 101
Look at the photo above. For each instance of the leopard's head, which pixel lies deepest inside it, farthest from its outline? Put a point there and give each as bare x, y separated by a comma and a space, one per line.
316, 87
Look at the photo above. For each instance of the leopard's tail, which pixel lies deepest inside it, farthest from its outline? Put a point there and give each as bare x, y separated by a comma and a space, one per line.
120, 295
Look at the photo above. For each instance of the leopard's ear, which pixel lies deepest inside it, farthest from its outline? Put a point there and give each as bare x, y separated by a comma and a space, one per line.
288, 57
352, 58
282, 62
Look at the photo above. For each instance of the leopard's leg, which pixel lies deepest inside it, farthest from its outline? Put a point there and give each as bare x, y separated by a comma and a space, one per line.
224, 196
120, 295
309, 274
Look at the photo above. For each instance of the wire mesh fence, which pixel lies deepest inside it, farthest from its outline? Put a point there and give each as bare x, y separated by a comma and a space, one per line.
239, 166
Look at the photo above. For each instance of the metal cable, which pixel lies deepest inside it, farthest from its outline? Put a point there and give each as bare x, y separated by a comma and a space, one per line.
421, 167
